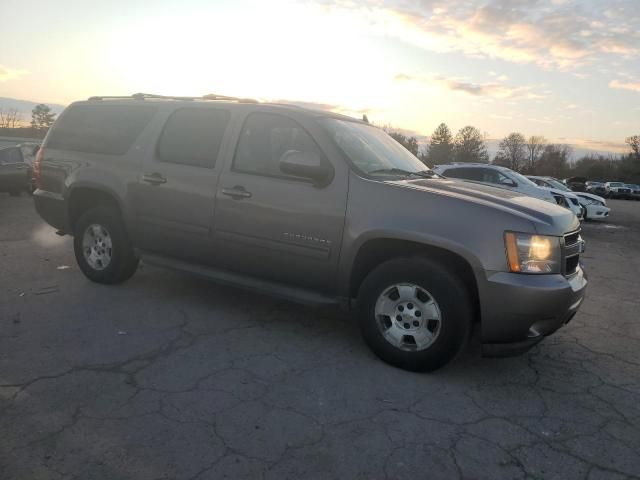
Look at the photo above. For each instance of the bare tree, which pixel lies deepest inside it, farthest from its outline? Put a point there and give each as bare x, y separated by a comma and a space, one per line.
554, 161
10, 119
634, 143
14, 118
535, 146
512, 152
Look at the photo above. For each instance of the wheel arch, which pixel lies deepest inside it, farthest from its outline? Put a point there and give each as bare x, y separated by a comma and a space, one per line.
86, 196
375, 251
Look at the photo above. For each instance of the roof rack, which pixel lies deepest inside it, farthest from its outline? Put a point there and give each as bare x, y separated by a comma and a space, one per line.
144, 96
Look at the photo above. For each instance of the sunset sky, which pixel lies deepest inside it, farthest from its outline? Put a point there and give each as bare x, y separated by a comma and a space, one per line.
568, 70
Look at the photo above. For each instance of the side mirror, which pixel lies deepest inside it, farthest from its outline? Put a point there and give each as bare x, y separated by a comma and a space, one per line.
306, 165
507, 182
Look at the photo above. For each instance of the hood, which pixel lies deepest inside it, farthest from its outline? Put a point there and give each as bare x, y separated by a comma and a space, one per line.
547, 217
563, 193
591, 196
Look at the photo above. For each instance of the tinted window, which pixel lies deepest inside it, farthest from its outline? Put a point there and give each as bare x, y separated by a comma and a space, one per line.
464, 173
265, 138
192, 136
493, 176
107, 129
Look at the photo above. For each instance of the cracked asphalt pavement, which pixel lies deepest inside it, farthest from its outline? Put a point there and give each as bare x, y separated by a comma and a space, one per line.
170, 376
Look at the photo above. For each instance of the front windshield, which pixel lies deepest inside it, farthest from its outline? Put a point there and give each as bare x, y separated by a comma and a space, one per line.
522, 180
371, 150
615, 184
556, 184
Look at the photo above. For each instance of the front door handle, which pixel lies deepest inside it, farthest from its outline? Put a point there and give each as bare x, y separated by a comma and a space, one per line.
153, 178
238, 192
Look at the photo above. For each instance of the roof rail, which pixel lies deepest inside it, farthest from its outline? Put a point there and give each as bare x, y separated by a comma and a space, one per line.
214, 96
144, 96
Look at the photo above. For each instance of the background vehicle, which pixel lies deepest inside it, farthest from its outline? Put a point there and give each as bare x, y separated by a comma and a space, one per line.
594, 206
616, 190
314, 207
14, 172
597, 188
635, 191
29, 151
503, 177
576, 184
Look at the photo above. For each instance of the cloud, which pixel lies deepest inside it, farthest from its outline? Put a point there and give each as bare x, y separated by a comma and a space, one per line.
549, 33
491, 89
500, 117
600, 145
7, 73
633, 86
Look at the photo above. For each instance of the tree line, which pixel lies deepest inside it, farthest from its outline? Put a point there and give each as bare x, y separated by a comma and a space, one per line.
532, 155
11, 124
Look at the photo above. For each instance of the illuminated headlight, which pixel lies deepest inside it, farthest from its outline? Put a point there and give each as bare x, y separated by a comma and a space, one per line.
527, 253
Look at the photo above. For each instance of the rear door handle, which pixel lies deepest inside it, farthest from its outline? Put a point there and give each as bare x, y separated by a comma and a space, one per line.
238, 192
153, 178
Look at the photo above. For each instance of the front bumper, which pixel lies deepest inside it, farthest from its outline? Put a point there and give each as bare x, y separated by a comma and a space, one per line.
597, 211
518, 310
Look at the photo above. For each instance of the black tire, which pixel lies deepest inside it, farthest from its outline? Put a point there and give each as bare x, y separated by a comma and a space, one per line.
123, 263
447, 289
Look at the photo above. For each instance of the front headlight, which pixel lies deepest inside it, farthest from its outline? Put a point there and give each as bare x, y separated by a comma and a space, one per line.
527, 253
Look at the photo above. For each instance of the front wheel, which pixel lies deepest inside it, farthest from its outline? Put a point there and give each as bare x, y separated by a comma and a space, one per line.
102, 248
415, 313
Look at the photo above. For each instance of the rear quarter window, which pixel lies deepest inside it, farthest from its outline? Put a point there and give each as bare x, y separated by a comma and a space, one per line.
105, 129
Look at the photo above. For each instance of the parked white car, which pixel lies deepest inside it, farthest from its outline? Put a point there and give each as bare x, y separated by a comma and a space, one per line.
504, 177
594, 205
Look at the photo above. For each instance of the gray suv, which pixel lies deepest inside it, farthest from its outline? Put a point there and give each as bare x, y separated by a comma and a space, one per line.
313, 207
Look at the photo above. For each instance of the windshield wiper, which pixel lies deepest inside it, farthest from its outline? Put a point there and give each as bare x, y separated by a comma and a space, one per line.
400, 171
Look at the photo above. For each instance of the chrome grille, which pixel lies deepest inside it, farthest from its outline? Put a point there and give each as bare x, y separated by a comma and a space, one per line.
573, 246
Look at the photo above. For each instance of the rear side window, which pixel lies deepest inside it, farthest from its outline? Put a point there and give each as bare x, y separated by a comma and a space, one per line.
192, 136
493, 176
106, 129
265, 138
464, 173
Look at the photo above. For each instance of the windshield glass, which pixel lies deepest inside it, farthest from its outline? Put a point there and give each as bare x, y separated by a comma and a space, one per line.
521, 179
556, 184
615, 184
371, 150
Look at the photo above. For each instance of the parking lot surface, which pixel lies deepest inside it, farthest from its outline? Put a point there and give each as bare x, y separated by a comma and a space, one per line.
170, 376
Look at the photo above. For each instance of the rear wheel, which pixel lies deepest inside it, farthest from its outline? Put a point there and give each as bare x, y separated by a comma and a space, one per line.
102, 248
415, 313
